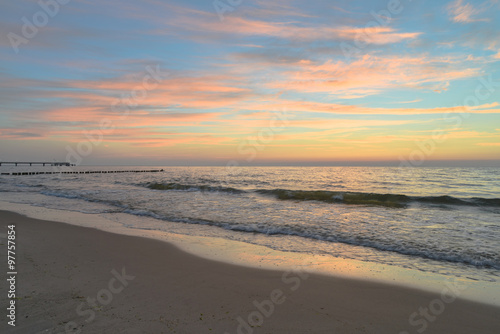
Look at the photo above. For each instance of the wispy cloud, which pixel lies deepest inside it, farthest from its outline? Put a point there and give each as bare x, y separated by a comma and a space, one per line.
201, 23
345, 109
407, 102
464, 12
20, 134
371, 75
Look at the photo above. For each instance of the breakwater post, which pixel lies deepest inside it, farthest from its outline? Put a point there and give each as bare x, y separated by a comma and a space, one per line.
86, 172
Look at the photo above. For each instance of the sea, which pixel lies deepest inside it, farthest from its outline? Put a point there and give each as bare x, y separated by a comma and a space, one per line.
435, 220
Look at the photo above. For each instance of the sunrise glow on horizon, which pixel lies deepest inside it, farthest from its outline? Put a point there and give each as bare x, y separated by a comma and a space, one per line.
256, 82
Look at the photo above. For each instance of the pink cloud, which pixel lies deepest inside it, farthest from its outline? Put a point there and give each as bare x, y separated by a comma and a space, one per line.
371, 74
288, 30
463, 12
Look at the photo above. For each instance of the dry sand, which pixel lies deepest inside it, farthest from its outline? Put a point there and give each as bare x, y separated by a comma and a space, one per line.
99, 282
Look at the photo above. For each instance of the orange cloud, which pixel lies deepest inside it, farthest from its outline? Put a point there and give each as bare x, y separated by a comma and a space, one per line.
203, 92
335, 108
94, 116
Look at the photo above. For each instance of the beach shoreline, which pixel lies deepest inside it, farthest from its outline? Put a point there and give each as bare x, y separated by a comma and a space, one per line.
145, 285
223, 248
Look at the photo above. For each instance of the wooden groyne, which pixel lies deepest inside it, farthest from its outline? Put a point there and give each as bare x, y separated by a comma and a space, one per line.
53, 163
86, 172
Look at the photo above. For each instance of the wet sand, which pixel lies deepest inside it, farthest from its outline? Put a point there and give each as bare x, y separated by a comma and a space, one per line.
74, 279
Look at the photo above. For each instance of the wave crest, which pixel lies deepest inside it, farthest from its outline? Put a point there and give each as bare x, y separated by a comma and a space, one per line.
187, 187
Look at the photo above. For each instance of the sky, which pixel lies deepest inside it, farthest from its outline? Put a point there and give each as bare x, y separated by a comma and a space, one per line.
250, 82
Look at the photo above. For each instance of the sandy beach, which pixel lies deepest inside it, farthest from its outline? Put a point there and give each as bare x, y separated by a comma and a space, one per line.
79, 280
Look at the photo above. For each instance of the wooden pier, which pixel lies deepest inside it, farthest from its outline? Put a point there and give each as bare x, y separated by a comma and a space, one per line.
53, 163
86, 172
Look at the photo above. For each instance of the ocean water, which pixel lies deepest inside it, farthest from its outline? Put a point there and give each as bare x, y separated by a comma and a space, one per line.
439, 220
